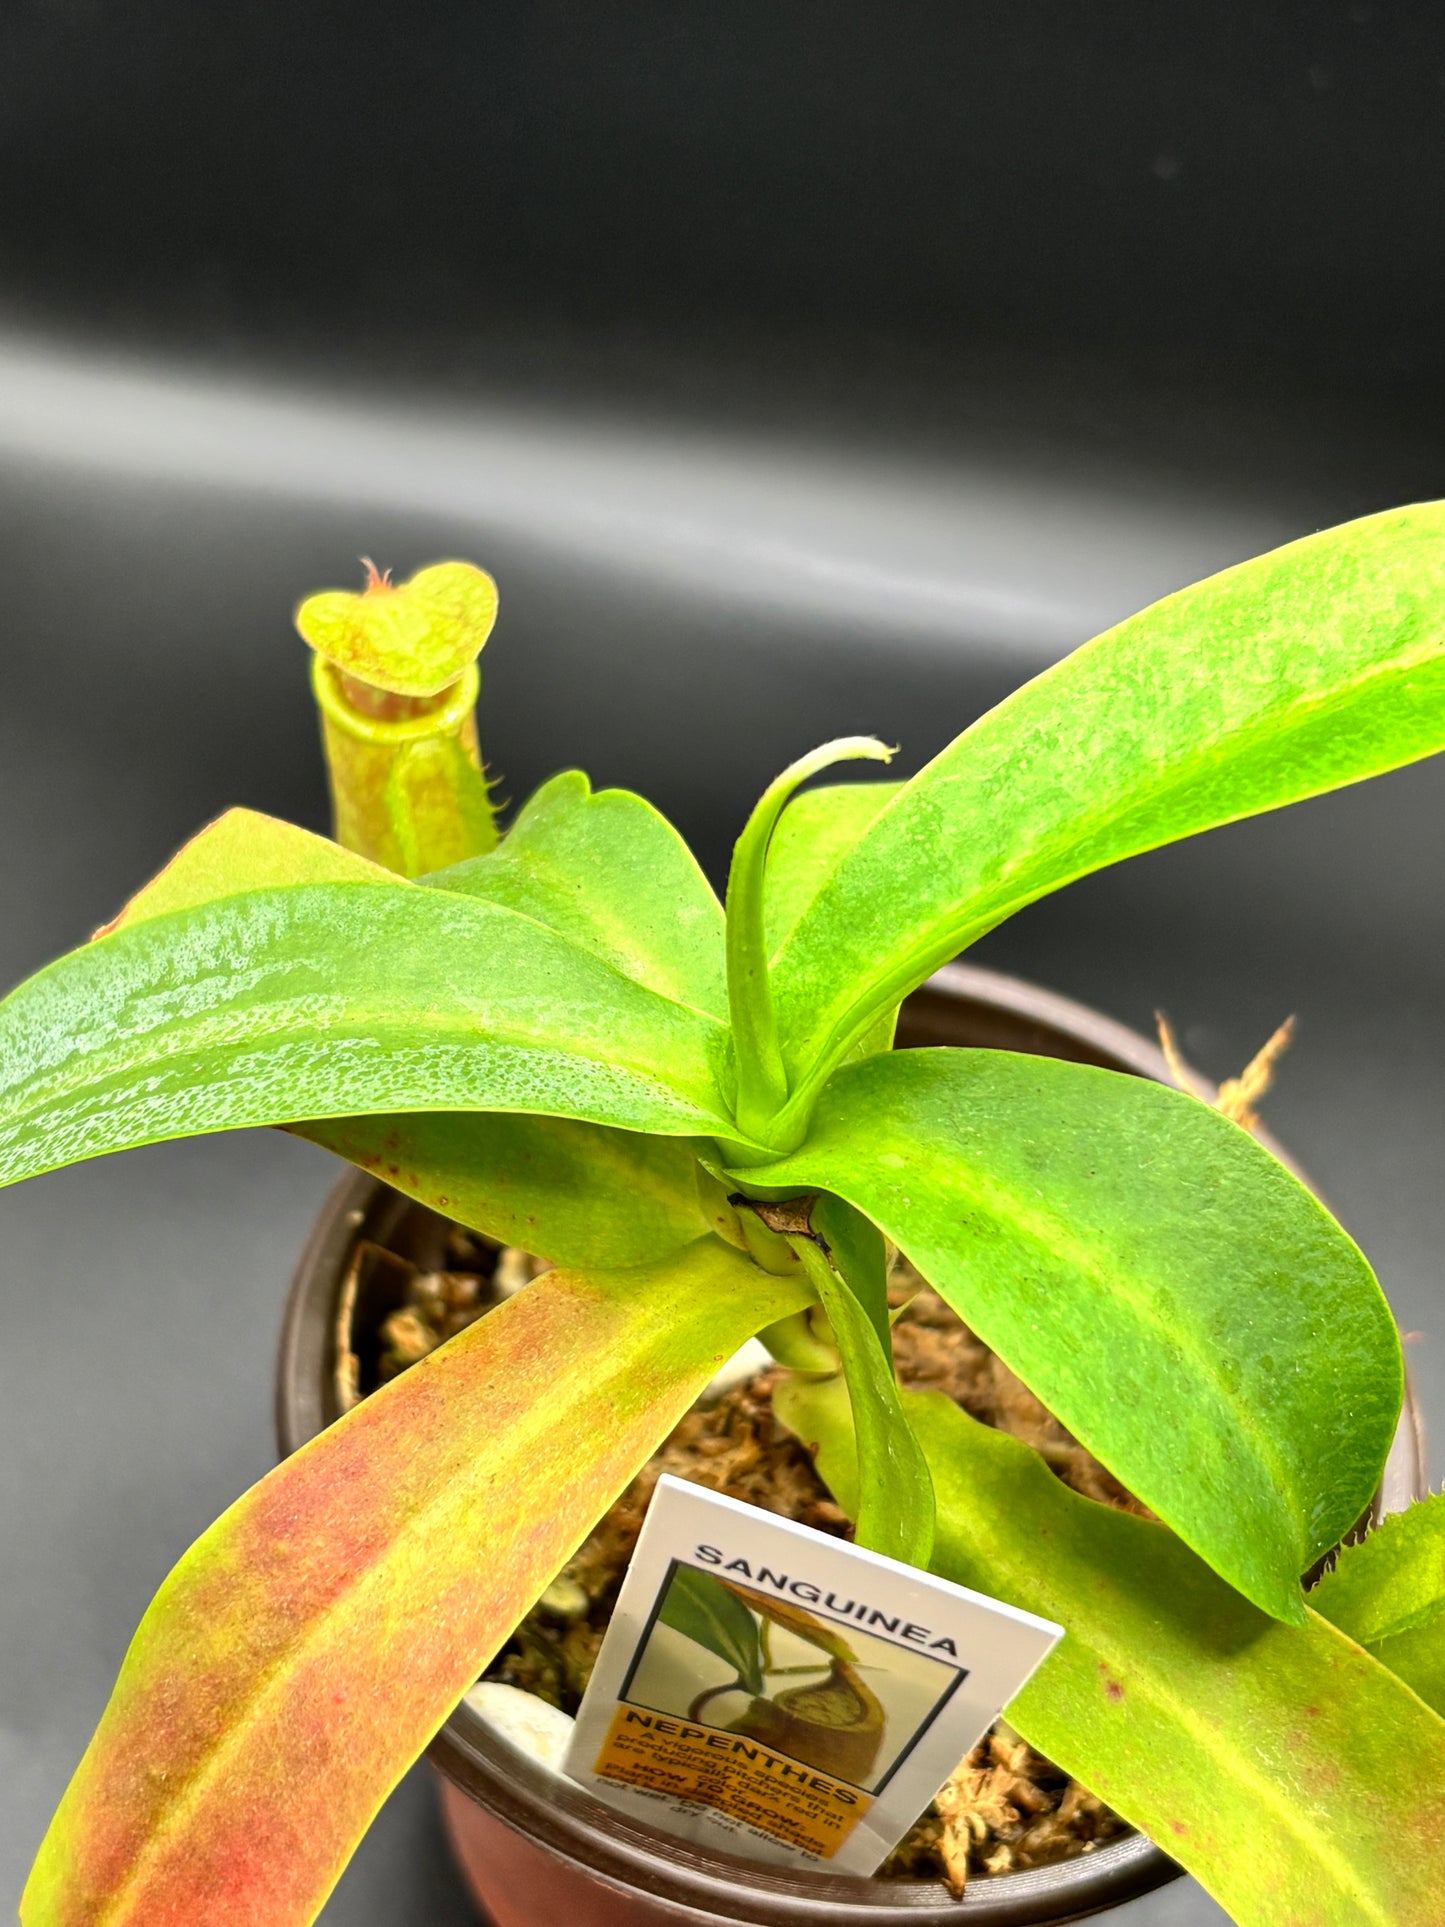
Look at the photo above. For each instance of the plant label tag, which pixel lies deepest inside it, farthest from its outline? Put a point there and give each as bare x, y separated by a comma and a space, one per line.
772, 1692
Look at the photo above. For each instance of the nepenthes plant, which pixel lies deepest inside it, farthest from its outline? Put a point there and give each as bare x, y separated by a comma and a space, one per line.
835, 1723
560, 1037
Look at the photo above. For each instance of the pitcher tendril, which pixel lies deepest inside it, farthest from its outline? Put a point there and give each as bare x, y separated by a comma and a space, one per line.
762, 1084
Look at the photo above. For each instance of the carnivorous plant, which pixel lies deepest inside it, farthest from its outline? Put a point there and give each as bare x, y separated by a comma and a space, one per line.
560, 1037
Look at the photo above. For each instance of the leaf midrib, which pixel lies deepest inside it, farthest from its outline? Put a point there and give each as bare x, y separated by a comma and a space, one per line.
989, 1193
342, 1609
1122, 1653
1318, 1842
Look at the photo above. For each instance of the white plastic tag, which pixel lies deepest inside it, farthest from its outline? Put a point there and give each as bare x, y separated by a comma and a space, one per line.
773, 1692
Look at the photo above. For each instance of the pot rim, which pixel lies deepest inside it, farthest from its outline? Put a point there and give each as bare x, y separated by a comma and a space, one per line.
624, 1853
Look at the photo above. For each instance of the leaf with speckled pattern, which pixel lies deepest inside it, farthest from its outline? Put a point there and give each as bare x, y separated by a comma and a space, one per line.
308, 1646
1293, 1775
1181, 1302
576, 1193
1305, 669
814, 832
328, 999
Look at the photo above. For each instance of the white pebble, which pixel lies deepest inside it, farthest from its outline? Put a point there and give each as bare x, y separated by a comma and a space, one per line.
541, 1731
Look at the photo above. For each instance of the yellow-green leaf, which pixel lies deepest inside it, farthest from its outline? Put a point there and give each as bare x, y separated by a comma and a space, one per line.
579, 1194
1166, 1287
1302, 670
1294, 1776
1388, 1592
611, 874
243, 850
306, 1649
330, 999
815, 831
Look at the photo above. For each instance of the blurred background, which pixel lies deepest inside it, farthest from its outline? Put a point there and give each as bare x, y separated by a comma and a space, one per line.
796, 370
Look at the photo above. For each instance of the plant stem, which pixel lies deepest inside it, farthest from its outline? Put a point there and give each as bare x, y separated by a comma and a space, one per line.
895, 1492
795, 1342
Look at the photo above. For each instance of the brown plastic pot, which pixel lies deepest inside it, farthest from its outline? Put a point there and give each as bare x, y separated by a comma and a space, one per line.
539, 1852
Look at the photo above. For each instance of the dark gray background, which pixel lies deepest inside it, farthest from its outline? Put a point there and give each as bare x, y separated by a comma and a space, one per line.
797, 371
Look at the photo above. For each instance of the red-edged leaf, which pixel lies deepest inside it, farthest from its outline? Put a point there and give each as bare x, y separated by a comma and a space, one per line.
308, 1646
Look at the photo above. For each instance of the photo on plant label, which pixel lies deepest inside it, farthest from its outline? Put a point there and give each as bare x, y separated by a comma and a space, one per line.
827, 1695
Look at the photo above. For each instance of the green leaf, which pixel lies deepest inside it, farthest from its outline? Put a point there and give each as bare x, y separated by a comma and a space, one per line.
895, 1508
1388, 1592
240, 851
1181, 1302
859, 1253
306, 1649
815, 830
579, 1194
1306, 669
762, 1087
703, 1610
329, 999
573, 1192
1295, 1777
606, 870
